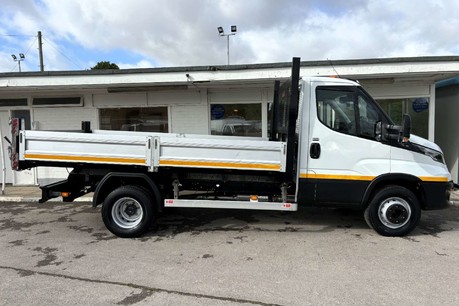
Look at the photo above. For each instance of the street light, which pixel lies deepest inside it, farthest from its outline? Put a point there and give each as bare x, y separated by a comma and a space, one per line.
19, 60
221, 32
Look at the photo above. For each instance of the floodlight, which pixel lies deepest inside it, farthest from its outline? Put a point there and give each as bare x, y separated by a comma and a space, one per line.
19, 60
221, 32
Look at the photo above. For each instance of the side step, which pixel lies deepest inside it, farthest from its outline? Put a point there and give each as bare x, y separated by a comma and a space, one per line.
231, 204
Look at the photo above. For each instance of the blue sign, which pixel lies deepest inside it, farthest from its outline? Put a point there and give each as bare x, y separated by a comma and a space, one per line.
217, 111
420, 104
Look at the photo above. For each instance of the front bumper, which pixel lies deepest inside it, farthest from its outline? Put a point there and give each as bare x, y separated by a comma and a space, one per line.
436, 195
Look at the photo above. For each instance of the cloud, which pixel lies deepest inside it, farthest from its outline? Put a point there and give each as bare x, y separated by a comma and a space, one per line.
183, 32
140, 64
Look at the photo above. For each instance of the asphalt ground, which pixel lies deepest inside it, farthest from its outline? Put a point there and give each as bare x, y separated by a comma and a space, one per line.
61, 254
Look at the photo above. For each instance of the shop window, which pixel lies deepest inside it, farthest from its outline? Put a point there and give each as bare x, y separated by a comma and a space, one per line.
236, 119
13, 102
140, 119
417, 108
58, 101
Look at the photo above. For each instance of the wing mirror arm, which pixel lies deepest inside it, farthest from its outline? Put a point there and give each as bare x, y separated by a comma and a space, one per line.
406, 129
394, 132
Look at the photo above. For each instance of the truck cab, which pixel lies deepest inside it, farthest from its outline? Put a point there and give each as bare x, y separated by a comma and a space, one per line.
352, 155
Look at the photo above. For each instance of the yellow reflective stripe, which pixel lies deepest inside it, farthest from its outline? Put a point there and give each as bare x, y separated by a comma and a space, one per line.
337, 177
118, 160
185, 163
433, 179
363, 177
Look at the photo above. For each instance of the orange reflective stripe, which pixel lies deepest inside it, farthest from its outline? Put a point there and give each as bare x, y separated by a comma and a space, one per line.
337, 177
185, 163
363, 177
118, 160
433, 179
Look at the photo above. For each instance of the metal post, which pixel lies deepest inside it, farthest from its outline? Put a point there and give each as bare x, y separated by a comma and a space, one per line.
40, 51
227, 48
3, 162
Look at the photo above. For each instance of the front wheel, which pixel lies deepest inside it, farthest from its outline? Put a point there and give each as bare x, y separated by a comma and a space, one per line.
128, 212
393, 211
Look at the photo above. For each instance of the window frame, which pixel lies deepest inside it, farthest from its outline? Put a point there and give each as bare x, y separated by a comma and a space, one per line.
356, 92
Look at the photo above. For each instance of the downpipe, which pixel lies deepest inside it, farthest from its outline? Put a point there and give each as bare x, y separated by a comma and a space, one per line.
3, 162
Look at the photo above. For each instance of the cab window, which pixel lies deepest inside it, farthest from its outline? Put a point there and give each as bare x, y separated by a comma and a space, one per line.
368, 117
347, 110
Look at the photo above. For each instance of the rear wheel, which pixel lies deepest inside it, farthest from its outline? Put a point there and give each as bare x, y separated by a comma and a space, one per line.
128, 211
393, 211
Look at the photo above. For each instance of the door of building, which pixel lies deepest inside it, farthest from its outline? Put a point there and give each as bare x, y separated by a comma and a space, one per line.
24, 177
5, 161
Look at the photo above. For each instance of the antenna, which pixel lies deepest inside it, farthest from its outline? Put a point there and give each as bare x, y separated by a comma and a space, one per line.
331, 64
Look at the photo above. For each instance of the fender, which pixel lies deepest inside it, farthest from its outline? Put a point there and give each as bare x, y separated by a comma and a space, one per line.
410, 181
100, 191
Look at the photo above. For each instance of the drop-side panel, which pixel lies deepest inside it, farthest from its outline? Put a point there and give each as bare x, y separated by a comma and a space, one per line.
222, 153
153, 150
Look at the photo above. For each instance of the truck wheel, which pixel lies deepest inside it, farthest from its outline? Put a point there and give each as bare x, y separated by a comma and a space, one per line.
393, 211
128, 211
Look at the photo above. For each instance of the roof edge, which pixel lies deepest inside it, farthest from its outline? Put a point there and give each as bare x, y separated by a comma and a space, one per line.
371, 61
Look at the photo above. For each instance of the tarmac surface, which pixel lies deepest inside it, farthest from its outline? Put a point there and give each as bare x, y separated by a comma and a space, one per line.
61, 254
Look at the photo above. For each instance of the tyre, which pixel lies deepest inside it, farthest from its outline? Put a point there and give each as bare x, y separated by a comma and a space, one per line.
393, 211
128, 211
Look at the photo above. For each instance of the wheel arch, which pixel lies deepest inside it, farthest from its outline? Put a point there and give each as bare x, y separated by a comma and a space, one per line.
113, 180
407, 181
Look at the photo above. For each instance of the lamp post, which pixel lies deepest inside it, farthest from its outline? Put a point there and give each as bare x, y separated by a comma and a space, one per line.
19, 60
221, 32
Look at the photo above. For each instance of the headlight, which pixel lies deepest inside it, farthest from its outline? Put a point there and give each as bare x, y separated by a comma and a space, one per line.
435, 155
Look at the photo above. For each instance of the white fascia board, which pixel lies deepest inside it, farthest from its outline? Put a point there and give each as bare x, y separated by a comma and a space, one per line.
385, 70
81, 81
160, 78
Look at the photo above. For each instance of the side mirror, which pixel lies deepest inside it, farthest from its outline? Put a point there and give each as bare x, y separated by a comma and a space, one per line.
389, 132
406, 128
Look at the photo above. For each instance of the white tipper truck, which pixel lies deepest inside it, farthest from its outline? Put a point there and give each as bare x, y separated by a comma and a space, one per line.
330, 145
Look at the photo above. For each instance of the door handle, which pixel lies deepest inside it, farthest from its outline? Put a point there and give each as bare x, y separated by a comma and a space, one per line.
315, 150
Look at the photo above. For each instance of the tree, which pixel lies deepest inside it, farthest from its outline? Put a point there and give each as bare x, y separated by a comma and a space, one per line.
105, 65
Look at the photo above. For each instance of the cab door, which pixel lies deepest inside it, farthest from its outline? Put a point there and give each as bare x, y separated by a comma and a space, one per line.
344, 153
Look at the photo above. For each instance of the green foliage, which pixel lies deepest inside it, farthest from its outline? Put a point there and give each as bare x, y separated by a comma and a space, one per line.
105, 65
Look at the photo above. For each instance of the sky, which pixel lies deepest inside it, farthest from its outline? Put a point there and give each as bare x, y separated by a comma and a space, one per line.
171, 33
